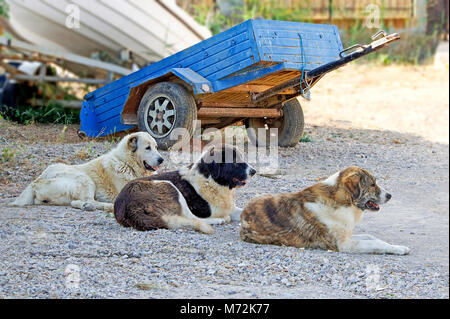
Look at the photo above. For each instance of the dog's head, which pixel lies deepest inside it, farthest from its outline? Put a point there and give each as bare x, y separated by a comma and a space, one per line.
225, 165
363, 188
145, 150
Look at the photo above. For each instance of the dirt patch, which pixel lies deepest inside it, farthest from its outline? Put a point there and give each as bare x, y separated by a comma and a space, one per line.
38, 133
406, 99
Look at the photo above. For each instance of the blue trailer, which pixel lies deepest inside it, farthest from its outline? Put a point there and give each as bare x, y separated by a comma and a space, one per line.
252, 72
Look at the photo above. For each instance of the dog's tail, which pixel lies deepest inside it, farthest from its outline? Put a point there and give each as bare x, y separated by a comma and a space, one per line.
26, 198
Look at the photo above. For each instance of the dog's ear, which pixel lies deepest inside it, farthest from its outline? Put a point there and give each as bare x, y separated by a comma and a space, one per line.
214, 169
352, 183
133, 143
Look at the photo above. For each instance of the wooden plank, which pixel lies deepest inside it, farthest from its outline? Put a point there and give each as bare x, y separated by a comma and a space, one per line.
246, 88
114, 110
295, 43
63, 55
207, 104
25, 77
229, 65
130, 119
104, 102
206, 112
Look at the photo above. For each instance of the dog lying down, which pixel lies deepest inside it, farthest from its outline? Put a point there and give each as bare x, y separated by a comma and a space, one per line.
322, 216
96, 184
194, 197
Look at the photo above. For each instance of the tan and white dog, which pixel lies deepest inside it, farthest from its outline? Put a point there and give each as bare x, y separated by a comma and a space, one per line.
193, 197
96, 184
321, 216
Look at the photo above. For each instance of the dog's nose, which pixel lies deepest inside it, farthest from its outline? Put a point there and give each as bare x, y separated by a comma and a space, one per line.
388, 196
252, 172
160, 160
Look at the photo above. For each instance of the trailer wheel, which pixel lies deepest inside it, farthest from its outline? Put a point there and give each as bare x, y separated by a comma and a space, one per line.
290, 126
165, 107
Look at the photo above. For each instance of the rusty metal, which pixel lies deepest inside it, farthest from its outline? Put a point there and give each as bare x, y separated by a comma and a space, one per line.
294, 83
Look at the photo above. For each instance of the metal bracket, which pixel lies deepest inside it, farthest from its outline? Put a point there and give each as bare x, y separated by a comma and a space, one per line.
380, 32
362, 47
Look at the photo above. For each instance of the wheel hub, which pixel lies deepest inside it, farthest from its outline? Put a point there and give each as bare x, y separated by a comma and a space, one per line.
161, 117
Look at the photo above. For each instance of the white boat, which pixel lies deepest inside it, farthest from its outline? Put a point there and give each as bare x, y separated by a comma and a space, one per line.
142, 31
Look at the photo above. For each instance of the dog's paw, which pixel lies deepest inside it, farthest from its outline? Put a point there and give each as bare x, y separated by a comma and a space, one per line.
88, 207
401, 250
206, 229
215, 221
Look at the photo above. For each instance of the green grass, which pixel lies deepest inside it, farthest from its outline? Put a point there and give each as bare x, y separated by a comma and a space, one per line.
7, 155
50, 113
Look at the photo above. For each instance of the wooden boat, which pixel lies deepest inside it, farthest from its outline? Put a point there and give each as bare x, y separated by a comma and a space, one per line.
134, 31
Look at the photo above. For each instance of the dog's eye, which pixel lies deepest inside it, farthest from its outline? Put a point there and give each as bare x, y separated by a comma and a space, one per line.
373, 185
149, 148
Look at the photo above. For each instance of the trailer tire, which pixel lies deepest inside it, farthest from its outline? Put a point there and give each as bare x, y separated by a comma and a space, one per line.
290, 126
175, 99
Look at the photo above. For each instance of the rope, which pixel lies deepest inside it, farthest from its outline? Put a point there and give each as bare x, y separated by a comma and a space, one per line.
303, 61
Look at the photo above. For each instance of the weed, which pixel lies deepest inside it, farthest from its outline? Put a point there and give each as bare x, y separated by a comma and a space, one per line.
62, 136
7, 155
306, 139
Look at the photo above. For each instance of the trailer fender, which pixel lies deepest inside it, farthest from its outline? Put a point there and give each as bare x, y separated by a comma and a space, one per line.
190, 79
198, 83
88, 120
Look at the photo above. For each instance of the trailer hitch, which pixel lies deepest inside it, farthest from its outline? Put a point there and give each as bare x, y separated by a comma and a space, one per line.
359, 50
363, 47
356, 51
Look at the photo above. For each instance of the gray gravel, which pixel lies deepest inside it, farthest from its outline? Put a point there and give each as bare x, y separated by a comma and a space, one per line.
44, 250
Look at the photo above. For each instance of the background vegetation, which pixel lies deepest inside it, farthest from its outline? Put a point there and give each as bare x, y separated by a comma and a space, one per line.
47, 111
4, 9
414, 48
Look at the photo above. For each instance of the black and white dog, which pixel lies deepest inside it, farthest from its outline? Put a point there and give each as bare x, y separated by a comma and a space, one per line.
194, 197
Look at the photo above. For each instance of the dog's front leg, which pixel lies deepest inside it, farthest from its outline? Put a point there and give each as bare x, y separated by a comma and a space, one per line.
93, 205
236, 214
367, 244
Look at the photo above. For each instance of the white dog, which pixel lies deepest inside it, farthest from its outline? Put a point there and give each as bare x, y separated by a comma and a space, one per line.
96, 184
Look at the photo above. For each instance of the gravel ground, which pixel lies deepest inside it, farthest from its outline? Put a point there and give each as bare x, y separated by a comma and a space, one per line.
39, 243
46, 251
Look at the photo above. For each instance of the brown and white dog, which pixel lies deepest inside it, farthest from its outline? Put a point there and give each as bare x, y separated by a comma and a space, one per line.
321, 216
94, 185
194, 197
